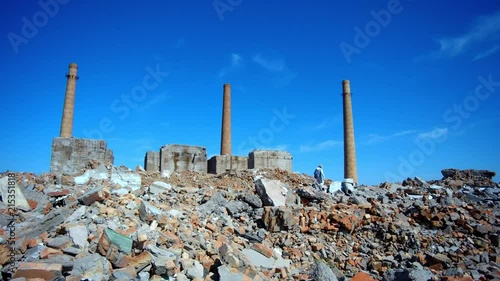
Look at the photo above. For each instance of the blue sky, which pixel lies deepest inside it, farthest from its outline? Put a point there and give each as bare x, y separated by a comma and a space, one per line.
424, 77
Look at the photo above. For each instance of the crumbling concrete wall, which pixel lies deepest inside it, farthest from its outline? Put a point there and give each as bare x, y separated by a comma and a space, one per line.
71, 155
270, 159
152, 161
178, 158
222, 163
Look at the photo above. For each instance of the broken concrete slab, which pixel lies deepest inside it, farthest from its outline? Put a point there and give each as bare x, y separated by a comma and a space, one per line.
126, 178
12, 194
271, 192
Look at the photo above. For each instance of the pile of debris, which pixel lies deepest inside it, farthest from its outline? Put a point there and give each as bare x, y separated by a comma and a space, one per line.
112, 223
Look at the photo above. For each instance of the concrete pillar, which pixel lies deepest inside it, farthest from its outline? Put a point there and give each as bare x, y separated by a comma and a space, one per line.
69, 103
350, 170
225, 146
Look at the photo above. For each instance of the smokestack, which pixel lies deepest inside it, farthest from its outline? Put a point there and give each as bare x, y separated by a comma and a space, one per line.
350, 170
225, 146
69, 103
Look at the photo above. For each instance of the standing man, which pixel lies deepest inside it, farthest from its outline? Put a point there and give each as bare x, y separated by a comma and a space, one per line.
319, 175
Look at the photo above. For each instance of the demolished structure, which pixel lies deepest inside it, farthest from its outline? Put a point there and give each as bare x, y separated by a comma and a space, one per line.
262, 225
70, 155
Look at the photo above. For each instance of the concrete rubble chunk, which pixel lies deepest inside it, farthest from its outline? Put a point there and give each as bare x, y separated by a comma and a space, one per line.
92, 266
148, 212
12, 194
196, 271
79, 235
91, 196
215, 205
252, 200
159, 187
166, 174
126, 178
271, 192
101, 173
226, 274
259, 260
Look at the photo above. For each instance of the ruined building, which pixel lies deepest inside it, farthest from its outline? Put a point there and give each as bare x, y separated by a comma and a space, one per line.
70, 155
178, 158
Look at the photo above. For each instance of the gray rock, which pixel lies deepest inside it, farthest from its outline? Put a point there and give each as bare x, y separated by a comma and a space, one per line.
146, 210
422, 274
196, 271
400, 274
453, 272
53, 219
225, 274
321, 272
215, 205
237, 207
252, 200
66, 261
99, 267
259, 260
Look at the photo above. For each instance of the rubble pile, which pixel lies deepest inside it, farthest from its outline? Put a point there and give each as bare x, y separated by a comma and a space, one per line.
112, 223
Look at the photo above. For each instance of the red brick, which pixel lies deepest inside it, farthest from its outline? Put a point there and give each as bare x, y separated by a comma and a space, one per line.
361, 276
263, 249
44, 271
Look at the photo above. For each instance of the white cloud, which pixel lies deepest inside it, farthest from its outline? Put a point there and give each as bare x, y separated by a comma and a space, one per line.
434, 134
320, 146
274, 65
375, 138
485, 29
277, 66
487, 53
236, 62
235, 59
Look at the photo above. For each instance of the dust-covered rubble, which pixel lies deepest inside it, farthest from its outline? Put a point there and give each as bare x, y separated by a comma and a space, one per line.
112, 223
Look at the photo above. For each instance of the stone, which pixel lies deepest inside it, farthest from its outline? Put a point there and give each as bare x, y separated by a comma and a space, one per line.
216, 205
126, 178
79, 235
159, 187
94, 265
259, 260
321, 271
12, 194
96, 194
252, 200
148, 212
227, 274
271, 192
196, 271
237, 207
101, 173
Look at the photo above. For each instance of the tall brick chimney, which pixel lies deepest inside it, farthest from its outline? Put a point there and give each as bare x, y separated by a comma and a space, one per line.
225, 146
69, 103
350, 170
